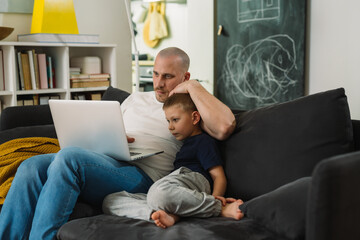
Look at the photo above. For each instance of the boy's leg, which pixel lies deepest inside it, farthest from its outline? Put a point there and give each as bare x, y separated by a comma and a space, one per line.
74, 171
132, 205
19, 206
184, 193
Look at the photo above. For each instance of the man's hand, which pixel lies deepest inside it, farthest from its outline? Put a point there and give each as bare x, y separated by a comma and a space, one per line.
183, 87
130, 139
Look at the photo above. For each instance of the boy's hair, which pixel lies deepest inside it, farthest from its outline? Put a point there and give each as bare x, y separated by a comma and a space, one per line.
182, 99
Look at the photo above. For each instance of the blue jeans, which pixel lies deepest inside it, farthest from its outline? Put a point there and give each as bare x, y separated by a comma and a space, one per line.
46, 188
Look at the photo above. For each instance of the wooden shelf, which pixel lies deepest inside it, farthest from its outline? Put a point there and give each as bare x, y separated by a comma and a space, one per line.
61, 53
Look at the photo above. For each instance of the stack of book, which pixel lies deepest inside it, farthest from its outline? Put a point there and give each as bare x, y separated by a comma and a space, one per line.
89, 80
36, 70
36, 99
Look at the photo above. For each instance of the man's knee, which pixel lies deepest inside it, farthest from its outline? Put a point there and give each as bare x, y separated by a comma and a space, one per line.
34, 166
67, 158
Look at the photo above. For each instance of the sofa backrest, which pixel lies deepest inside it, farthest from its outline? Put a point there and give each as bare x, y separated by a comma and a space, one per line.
23, 116
275, 145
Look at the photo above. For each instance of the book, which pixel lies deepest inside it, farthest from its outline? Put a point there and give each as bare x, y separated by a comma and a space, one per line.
42, 71
90, 76
44, 99
26, 71
53, 74
95, 96
36, 65
19, 102
59, 38
29, 102
86, 84
49, 71
32, 69
21, 75
2, 72
88, 79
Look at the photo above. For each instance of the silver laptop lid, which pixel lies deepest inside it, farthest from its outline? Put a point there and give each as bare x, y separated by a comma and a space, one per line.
93, 125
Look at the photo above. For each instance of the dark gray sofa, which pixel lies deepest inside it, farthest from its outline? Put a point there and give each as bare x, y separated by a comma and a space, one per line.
296, 165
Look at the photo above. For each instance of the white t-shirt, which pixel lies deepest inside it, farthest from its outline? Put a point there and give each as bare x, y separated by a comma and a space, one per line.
145, 120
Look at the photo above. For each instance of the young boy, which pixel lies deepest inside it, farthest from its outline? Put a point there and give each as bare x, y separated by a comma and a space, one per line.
187, 190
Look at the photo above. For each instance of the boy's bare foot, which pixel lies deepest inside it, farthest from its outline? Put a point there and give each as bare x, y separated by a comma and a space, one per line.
163, 219
231, 210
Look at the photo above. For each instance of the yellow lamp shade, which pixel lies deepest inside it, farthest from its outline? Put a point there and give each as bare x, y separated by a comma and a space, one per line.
54, 16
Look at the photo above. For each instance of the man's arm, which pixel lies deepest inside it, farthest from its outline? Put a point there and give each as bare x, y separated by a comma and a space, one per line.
217, 118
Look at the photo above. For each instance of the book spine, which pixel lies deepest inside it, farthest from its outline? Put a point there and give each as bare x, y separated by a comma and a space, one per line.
90, 84
32, 69
21, 75
42, 71
26, 70
49, 71
36, 65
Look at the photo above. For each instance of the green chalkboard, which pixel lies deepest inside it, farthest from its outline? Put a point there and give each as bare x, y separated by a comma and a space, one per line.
260, 52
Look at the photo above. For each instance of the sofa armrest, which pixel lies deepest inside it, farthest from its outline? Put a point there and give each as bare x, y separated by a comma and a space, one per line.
334, 201
23, 116
356, 131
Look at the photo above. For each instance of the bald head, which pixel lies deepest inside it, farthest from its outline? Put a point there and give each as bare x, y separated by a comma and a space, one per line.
174, 51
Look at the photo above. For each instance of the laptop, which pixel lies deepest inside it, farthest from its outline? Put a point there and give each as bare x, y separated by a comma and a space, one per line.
94, 125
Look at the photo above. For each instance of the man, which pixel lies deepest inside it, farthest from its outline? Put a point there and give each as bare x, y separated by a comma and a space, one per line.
46, 187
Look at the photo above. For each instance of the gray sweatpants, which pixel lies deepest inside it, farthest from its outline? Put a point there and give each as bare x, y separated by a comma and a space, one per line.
183, 192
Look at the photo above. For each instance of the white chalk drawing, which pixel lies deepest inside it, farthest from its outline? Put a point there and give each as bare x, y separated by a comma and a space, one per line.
257, 10
260, 72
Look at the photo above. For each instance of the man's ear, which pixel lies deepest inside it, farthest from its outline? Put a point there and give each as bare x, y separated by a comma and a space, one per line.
195, 117
187, 76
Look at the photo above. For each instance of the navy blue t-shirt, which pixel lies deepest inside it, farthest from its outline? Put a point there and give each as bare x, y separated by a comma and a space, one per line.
199, 153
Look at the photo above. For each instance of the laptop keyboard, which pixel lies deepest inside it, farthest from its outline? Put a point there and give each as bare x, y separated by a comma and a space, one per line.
134, 153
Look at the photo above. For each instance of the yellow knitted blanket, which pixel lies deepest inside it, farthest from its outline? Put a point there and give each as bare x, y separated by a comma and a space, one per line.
14, 152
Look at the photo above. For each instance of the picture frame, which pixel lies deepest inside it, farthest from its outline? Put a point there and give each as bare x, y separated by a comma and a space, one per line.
16, 6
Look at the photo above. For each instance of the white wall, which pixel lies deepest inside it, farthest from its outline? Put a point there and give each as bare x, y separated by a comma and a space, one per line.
335, 49
200, 41
191, 28
107, 18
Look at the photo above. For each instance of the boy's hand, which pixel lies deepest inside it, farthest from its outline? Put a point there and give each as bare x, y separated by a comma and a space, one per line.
222, 199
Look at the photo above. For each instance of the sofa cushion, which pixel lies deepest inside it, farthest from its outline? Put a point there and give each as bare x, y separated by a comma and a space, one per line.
113, 227
30, 131
275, 145
114, 94
283, 210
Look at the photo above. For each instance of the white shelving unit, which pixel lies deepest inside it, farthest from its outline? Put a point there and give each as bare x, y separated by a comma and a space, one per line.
61, 53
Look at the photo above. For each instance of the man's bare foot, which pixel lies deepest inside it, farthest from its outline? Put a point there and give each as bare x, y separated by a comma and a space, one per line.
231, 210
163, 219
